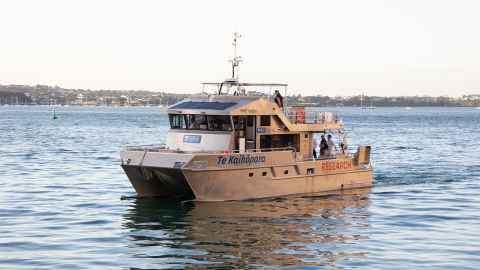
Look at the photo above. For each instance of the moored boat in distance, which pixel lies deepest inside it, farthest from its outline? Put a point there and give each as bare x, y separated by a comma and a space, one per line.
363, 99
238, 144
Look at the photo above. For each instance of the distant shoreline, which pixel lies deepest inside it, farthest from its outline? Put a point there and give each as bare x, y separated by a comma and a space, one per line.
165, 106
48, 95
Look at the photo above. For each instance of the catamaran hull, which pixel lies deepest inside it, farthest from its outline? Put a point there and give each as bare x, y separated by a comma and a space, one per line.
237, 184
158, 182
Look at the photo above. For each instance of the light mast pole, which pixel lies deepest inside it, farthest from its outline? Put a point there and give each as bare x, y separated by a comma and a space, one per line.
236, 59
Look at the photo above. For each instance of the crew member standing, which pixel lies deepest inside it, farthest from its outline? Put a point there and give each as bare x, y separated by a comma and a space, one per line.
277, 97
343, 145
323, 146
331, 148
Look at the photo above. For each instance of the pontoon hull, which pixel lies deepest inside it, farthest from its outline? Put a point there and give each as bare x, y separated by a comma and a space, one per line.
158, 182
236, 184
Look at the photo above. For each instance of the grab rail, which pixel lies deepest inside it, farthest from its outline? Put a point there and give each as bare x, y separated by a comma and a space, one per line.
163, 148
149, 148
312, 117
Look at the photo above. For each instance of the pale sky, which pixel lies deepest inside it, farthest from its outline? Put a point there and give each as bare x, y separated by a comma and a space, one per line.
341, 47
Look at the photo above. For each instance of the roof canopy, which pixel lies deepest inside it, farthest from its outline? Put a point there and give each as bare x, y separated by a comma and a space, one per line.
199, 105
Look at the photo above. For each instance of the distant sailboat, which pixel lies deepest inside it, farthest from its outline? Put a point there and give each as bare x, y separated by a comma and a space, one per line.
54, 114
363, 98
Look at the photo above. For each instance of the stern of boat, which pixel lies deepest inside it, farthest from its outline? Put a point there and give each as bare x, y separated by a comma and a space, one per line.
157, 173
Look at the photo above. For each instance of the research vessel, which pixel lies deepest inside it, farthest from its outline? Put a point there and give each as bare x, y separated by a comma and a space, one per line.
240, 143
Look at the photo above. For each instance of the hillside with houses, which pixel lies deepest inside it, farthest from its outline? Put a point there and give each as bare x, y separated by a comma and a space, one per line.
55, 95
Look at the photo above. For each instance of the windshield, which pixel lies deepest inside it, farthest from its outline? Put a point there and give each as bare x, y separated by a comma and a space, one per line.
200, 122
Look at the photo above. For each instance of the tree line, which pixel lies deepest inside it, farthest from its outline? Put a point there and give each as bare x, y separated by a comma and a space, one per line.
47, 95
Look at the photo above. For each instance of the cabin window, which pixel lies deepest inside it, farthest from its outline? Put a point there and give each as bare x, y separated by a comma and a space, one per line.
197, 121
205, 122
280, 141
219, 122
250, 174
285, 172
264, 173
306, 136
310, 170
265, 120
177, 121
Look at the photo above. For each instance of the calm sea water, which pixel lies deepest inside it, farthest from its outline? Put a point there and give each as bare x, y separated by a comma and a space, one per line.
61, 183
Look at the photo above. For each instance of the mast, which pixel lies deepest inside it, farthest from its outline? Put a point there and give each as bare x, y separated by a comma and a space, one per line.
236, 59
235, 63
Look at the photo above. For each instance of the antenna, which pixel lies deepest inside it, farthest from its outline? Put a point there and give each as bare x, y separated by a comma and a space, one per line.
236, 59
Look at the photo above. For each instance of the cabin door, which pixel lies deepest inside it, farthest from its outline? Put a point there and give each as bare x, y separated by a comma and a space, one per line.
250, 133
245, 129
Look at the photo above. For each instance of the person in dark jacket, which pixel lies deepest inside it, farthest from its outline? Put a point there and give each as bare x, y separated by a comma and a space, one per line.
277, 97
323, 146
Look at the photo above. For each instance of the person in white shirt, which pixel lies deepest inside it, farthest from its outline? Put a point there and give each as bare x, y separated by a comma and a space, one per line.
331, 146
343, 145
315, 145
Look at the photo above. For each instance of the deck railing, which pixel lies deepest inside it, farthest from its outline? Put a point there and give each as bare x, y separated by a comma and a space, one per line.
300, 116
149, 148
163, 148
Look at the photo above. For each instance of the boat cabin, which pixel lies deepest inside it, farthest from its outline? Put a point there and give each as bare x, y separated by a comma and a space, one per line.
244, 123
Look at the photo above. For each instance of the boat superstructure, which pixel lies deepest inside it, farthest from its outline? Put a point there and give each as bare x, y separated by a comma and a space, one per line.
237, 144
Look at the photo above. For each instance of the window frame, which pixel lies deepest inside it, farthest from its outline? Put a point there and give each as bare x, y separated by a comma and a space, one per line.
184, 121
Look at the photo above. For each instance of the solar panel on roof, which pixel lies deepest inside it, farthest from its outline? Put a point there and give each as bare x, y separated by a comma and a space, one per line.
204, 105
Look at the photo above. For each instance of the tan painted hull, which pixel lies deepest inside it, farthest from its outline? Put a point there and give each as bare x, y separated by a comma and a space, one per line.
158, 182
235, 185
214, 181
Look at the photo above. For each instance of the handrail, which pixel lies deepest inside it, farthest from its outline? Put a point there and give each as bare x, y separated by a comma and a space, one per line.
150, 148
288, 148
312, 117
163, 148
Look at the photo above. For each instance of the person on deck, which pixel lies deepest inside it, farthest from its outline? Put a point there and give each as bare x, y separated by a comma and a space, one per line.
277, 97
331, 146
343, 145
323, 146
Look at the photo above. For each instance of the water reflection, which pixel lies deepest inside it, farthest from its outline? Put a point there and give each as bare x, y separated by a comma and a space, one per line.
295, 231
